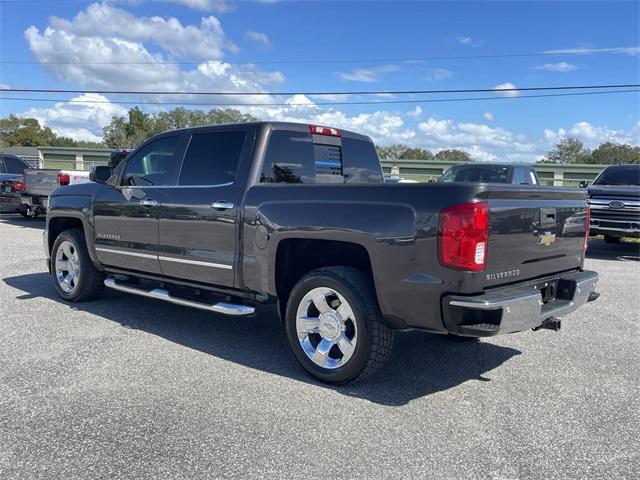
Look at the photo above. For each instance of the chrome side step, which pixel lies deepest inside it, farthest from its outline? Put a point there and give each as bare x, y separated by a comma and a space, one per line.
162, 294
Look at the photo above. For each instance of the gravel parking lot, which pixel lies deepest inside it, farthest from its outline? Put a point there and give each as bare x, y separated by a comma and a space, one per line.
127, 387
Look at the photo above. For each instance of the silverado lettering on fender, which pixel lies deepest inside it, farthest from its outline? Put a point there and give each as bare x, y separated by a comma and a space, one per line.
225, 217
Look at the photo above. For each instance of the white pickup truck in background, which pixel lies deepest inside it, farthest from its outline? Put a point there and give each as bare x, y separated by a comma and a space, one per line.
40, 182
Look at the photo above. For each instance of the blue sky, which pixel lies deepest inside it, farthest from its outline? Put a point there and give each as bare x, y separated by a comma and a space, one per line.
223, 37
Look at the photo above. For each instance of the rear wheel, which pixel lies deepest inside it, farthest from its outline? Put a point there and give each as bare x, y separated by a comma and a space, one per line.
611, 239
74, 276
334, 325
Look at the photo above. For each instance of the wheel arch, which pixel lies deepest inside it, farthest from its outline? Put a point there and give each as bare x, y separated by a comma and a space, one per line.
295, 257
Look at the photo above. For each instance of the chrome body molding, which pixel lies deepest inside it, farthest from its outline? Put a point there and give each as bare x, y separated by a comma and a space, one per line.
224, 308
168, 259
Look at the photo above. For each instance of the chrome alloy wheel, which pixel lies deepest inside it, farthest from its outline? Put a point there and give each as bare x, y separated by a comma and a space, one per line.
67, 265
326, 328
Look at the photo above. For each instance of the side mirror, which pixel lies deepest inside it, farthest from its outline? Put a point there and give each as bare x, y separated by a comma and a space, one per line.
100, 174
583, 184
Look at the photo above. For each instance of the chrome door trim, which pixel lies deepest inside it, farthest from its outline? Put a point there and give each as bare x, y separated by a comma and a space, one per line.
124, 252
197, 262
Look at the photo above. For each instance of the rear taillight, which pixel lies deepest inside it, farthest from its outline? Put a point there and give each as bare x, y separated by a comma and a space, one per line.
587, 224
18, 185
318, 130
462, 236
63, 179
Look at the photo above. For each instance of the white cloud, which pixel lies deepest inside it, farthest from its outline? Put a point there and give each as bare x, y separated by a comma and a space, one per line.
81, 119
557, 67
506, 86
587, 50
217, 6
367, 74
488, 116
592, 135
206, 41
468, 41
117, 56
259, 38
438, 74
416, 112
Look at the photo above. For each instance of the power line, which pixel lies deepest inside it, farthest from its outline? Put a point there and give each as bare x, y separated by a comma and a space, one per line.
319, 93
346, 61
364, 102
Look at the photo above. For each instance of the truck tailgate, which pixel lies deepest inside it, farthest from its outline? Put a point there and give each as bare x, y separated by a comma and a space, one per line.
534, 231
40, 181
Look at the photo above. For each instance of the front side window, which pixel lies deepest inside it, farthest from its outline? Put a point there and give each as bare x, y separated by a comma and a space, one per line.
155, 164
212, 158
15, 165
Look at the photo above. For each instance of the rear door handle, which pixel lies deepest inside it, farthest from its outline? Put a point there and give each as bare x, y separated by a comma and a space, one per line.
148, 203
222, 205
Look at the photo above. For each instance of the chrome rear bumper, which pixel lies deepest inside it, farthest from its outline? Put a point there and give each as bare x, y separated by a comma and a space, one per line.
518, 307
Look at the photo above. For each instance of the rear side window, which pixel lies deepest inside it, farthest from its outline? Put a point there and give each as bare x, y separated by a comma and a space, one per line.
155, 164
289, 158
212, 158
297, 157
361, 163
15, 165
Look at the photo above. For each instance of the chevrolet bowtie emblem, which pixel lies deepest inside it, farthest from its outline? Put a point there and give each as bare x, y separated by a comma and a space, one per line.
546, 239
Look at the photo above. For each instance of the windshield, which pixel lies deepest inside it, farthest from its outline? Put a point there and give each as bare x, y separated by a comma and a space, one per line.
476, 173
619, 175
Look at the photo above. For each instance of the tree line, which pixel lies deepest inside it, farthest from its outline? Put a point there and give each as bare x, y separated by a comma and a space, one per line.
131, 130
572, 150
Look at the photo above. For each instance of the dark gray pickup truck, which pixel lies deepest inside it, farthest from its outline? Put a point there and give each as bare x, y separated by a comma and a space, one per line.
225, 217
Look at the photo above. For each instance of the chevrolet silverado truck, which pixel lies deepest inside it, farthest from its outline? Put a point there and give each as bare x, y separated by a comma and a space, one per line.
614, 203
226, 217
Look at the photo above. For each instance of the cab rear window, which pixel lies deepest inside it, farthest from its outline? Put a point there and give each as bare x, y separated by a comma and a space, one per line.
299, 157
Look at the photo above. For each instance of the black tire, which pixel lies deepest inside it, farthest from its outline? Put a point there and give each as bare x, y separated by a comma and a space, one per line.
24, 213
612, 239
90, 280
462, 339
375, 339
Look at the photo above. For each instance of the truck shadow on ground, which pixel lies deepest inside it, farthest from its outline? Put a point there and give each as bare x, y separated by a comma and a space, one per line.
601, 250
421, 364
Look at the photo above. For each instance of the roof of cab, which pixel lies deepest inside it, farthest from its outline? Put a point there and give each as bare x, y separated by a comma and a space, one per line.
293, 126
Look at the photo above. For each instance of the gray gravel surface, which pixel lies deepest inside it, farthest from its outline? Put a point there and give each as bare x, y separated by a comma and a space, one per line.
127, 387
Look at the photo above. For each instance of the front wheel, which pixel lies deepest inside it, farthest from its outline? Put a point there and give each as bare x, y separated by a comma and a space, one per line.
334, 325
74, 276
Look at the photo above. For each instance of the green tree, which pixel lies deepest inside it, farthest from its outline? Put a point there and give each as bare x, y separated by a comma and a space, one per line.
25, 132
123, 132
610, 152
416, 154
568, 150
453, 155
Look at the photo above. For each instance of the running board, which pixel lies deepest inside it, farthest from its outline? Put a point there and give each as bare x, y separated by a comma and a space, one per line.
162, 294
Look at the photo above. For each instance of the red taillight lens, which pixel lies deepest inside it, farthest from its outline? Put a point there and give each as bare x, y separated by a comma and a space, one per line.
17, 185
587, 224
318, 130
63, 179
462, 236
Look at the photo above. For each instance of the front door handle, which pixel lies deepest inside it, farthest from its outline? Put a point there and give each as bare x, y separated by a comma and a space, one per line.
222, 205
148, 203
